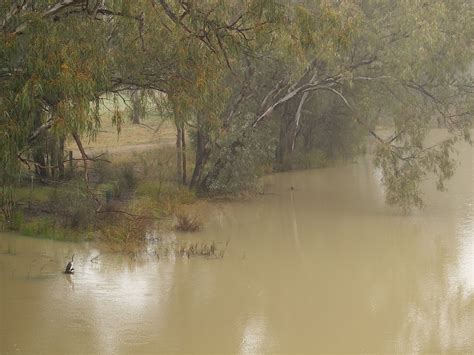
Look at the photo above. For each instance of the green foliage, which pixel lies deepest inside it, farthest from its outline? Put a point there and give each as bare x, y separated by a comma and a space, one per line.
403, 176
329, 132
47, 228
16, 221
324, 74
167, 194
37, 194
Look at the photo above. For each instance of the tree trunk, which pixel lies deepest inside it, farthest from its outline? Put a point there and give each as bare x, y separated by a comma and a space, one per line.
202, 153
40, 163
60, 156
180, 143
287, 134
183, 154
220, 164
137, 108
179, 153
51, 154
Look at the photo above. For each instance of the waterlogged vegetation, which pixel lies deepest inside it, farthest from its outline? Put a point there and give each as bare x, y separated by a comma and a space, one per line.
106, 131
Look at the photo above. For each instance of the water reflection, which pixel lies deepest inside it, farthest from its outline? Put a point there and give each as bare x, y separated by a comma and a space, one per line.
463, 273
70, 281
253, 337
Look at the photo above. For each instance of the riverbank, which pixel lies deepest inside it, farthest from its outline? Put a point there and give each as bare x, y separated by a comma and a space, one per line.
121, 196
131, 187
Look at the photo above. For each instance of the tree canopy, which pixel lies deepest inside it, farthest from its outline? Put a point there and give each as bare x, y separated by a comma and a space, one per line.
252, 82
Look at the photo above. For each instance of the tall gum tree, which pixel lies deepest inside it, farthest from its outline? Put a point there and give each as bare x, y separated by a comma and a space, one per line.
411, 56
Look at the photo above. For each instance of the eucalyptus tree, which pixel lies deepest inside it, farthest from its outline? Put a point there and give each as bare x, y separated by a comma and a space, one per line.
402, 61
58, 59
51, 71
373, 61
212, 40
247, 79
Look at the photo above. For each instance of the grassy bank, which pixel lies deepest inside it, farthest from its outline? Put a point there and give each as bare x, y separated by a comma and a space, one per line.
135, 186
131, 189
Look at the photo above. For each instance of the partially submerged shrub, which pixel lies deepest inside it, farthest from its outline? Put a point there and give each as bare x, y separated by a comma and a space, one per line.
186, 223
167, 196
127, 232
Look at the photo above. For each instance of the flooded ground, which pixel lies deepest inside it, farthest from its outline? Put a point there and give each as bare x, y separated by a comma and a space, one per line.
323, 267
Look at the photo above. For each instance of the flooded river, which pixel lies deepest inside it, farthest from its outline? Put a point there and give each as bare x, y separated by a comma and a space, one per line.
323, 267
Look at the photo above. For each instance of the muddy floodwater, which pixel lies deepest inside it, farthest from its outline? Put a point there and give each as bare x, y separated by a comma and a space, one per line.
324, 266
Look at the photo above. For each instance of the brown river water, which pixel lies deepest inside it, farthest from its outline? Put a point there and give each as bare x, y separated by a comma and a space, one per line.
323, 267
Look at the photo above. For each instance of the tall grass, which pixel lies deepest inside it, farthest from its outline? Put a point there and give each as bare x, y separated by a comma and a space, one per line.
48, 228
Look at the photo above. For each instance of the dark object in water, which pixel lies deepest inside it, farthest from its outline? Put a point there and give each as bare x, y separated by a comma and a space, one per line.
70, 266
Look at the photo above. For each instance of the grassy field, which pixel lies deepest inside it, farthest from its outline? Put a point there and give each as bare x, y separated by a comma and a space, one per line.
151, 133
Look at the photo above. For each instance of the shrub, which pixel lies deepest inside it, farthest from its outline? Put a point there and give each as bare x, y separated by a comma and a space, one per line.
186, 223
127, 177
127, 233
75, 206
166, 195
104, 171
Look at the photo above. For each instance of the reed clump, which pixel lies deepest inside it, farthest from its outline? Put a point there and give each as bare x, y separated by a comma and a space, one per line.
203, 249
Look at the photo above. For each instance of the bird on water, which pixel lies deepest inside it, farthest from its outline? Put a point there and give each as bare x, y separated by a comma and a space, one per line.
70, 266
